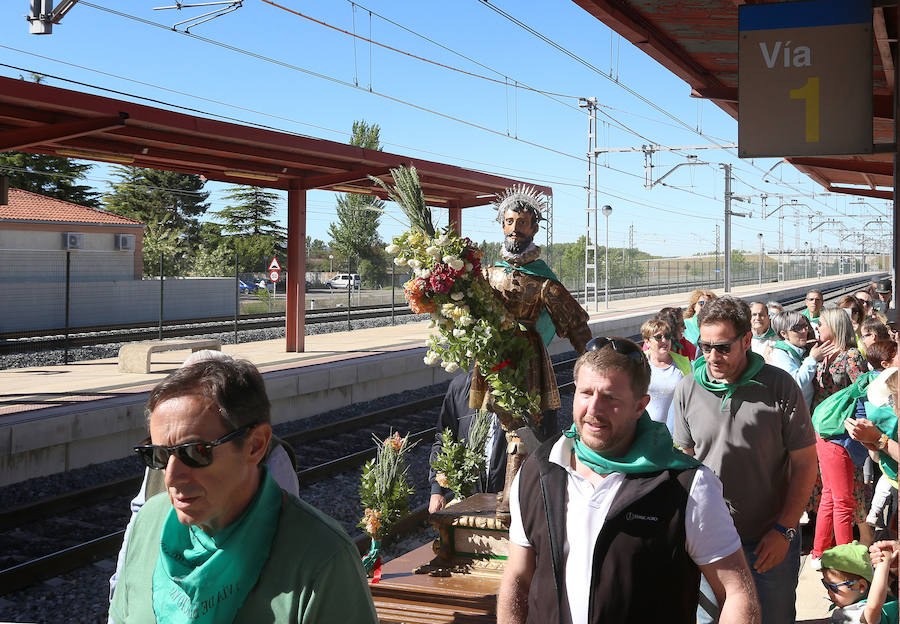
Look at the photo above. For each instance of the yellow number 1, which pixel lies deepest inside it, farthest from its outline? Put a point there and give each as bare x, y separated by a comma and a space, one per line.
810, 93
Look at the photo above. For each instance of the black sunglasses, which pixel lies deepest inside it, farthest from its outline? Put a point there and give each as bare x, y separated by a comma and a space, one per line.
619, 345
721, 347
799, 327
191, 454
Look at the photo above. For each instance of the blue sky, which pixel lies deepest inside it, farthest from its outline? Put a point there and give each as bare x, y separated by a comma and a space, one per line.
201, 75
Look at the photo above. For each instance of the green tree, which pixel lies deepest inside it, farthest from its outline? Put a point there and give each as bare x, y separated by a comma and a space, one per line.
249, 221
52, 176
146, 194
355, 233
161, 238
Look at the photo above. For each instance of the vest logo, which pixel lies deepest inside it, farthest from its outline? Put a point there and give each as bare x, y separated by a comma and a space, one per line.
633, 516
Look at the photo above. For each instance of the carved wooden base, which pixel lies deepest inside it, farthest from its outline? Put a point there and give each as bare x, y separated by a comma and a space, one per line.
403, 596
472, 539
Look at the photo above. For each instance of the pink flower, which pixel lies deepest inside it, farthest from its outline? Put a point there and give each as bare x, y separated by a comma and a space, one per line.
441, 279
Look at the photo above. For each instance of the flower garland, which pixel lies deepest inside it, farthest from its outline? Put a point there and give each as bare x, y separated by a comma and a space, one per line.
459, 464
384, 492
473, 324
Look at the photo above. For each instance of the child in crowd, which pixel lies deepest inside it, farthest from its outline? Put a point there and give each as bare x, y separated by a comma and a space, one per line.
859, 594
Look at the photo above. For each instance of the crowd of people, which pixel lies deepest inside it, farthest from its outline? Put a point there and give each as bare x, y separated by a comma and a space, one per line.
676, 495
695, 459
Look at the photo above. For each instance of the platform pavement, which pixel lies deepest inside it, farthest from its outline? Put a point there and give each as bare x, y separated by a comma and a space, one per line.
38, 388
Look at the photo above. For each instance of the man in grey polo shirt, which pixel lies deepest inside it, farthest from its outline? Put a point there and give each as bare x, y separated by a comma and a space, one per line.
749, 423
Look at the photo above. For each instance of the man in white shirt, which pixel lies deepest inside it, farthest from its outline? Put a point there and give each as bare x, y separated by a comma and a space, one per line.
763, 336
610, 522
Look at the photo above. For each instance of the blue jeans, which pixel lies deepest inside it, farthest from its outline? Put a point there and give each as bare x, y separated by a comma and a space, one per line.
777, 588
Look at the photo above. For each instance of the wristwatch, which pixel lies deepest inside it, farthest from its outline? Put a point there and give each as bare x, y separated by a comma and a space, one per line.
882, 442
788, 534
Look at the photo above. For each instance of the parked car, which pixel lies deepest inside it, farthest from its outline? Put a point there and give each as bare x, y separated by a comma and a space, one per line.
247, 288
343, 280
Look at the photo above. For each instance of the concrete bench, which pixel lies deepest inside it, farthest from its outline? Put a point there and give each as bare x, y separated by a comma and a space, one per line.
135, 357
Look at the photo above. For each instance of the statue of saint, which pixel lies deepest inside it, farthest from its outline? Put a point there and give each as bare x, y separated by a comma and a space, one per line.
539, 302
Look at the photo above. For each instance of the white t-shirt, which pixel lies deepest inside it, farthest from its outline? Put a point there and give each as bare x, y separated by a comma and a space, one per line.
661, 391
709, 531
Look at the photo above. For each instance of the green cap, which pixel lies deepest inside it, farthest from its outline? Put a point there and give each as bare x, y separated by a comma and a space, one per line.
852, 558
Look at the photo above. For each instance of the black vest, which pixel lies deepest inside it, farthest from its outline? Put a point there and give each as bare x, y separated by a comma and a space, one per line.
641, 570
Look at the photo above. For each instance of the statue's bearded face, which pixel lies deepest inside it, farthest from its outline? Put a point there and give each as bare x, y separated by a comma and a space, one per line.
519, 229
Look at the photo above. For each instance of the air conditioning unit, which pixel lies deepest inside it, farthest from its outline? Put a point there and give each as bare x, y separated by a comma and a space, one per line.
125, 242
73, 240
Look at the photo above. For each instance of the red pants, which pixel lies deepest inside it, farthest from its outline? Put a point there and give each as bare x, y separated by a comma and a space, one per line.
834, 518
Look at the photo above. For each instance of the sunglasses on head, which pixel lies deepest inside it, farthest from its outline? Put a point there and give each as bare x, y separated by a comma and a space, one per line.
619, 345
191, 454
836, 587
721, 347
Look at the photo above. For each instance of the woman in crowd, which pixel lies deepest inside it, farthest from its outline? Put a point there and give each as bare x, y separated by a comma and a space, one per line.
696, 302
789, 353
873, 329
842, 500
852, 306
774, 308
680, 344
667, 368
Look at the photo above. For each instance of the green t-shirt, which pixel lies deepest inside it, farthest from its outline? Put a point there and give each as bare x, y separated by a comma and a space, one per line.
313, 574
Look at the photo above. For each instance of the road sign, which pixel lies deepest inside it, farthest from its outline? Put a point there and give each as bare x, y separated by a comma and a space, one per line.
274, 275
805, 78
274, 266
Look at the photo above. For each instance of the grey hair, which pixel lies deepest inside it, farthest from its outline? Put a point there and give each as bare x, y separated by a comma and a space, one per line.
776, 305
783, 321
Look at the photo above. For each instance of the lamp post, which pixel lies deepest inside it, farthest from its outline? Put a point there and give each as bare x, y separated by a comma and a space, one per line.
606, 210
760, 257
331, 258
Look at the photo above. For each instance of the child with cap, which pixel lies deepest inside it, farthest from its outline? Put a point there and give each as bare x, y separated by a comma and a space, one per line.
859, 594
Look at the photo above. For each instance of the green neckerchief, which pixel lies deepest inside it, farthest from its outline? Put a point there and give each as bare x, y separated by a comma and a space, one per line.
790, 349
754, 364
814, 319
544, 326
651, 451
770, 333
886, 420
205, 579
682, 363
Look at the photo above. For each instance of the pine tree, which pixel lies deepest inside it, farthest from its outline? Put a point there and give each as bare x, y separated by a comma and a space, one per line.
249, 220
52, 176
355, 233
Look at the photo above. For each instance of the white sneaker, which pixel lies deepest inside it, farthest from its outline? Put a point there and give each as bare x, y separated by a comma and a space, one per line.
815, 562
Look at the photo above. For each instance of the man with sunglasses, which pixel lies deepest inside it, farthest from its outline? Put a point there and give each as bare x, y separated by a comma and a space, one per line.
814, 303
611, 523
225, 543
750, 424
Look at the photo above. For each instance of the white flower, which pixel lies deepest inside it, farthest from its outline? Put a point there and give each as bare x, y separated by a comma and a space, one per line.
433, 251
469, 267
392, 249
466, 320
456, 296
452, 367
431, 358
400, 261
443, 240
424, 273
469, 353
459, 333
415, 264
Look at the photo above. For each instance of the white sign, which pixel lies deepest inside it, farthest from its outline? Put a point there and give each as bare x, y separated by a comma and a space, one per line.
274, 266
274, 275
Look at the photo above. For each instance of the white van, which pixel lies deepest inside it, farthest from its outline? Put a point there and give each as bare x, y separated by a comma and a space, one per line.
342, 280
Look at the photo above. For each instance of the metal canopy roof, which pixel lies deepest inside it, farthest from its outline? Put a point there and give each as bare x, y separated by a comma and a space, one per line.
697, 40
49, 120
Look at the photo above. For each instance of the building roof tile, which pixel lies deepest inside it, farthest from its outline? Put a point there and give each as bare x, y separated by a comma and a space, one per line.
28, 206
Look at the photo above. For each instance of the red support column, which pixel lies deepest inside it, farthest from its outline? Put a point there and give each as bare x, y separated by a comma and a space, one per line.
295, 310
456, 217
